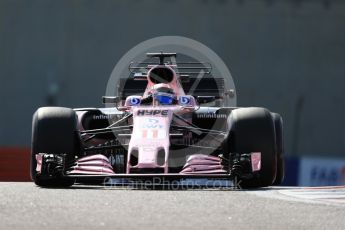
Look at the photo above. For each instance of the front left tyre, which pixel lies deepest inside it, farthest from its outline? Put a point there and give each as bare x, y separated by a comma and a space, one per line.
278, 126
53, 132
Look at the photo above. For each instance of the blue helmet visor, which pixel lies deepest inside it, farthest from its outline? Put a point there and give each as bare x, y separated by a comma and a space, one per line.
164, 99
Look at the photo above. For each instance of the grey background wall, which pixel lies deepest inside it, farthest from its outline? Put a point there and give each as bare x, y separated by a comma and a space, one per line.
287, 55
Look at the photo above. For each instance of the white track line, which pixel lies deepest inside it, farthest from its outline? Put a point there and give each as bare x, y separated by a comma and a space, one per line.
319, 195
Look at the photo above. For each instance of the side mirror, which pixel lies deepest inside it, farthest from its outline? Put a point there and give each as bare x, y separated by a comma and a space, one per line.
205, 99
109, 100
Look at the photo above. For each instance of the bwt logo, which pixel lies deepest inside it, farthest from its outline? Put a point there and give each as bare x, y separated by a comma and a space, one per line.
152, 112
327, 176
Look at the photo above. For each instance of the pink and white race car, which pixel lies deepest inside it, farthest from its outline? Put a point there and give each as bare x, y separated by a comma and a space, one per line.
159, 132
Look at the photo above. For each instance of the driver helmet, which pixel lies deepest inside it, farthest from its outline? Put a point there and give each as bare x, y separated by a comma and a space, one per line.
163, 94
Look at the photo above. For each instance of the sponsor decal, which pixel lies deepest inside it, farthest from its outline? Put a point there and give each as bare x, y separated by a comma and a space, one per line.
135, 101
322, 172
152, 112
151, 123
211, 115
184, 100
106, 116
151, 127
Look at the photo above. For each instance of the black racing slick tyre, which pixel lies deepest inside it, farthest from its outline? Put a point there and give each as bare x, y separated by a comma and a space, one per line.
252, 130
53, 132
278, 126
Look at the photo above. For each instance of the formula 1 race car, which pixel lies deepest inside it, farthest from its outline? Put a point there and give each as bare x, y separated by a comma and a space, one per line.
154, 130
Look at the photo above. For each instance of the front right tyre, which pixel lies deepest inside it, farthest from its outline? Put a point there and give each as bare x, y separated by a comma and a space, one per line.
53, 132
252, 130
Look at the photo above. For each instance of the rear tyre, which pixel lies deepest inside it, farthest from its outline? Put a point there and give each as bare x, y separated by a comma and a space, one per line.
252, 130
53, 132
278, 125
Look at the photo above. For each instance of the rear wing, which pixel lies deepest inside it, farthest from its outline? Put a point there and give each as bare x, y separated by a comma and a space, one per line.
206, 86
140, 69
195, 77
181, 68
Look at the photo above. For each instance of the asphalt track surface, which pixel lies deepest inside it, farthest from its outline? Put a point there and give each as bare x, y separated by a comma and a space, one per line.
25, 206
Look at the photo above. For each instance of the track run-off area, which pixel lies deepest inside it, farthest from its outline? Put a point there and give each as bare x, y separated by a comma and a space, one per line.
26, 206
